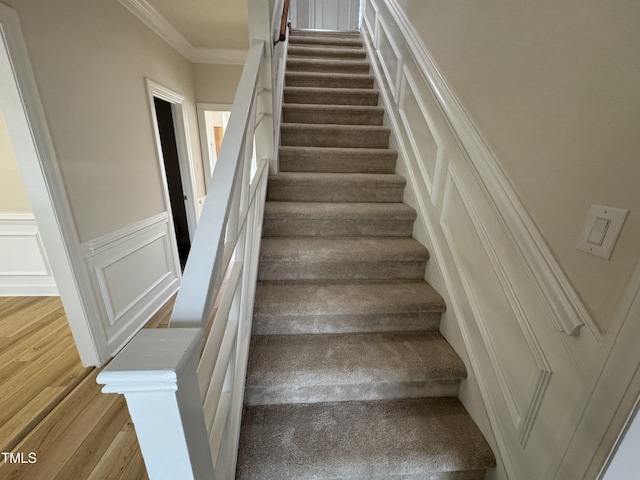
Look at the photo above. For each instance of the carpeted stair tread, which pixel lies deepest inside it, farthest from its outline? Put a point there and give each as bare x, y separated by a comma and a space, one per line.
296, 64
318, 258
313, 32
348, 375
329, 80
335, 187
337, 160
327, 40
293, 113
330, 135
351, 367
294, 249
333, 219
313, 51
331, 96
425, 438
332, 307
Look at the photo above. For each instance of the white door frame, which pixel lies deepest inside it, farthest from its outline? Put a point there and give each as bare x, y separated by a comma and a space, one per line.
185, 158
22, 108
201, 108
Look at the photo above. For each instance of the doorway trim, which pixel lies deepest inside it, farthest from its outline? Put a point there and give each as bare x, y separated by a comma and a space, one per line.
201, 108
185, 158
31, 140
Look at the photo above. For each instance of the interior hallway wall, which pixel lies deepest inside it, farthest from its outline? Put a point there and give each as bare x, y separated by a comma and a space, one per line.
90, 61
216, 83
553, 88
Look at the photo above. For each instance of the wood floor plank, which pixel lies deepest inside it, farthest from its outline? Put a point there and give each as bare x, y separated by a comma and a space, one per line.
87, 456
18, 321
117, 460
11, 369
87, 434
55, 334
17, 391
23, 332
60, 434
19, 423
135, 469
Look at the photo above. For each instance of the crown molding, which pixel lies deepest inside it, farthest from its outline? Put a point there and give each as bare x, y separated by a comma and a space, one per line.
145, 12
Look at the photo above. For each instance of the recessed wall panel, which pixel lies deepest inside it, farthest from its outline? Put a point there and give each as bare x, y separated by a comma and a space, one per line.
419, 130
512, 358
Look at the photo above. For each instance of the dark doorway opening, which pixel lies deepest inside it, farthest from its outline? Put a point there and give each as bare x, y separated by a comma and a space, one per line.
166, 129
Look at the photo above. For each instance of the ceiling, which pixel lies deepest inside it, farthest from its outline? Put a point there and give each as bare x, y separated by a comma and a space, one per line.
208, 24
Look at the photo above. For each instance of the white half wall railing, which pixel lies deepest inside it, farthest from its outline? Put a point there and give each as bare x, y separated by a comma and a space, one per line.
184, 385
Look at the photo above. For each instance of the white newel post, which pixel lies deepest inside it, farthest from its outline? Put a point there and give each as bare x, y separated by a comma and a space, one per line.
156, 372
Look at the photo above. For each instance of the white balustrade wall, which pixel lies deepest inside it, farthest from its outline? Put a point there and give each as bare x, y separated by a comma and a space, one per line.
184, 385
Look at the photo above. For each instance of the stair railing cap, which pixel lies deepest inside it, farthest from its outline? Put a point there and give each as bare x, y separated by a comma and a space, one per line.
152, 361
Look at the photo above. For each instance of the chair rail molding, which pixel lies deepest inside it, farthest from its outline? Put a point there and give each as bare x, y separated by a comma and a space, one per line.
133, 273
533, 348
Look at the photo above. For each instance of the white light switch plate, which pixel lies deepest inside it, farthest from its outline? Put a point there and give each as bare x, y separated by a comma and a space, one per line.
601, 229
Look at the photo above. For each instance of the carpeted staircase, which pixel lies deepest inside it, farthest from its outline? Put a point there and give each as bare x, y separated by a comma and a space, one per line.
348, 375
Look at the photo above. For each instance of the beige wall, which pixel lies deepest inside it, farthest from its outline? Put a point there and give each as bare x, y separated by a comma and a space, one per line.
13, 196
90, 61
216, 83
554, 88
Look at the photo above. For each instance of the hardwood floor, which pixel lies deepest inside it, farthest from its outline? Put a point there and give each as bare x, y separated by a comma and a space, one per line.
88, 435
39, 364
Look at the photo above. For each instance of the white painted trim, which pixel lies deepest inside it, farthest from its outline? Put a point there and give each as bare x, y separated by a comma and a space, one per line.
104, 285
522, 420
38, 164
13, 218
614, 396
145, 12
566, 308
392, 81
24, 282
185, 158
431, 180
144, 295
33, 275
112, 239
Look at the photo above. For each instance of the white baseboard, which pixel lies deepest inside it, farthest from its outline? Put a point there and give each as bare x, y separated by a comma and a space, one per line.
133, 273
515, 317
24, 267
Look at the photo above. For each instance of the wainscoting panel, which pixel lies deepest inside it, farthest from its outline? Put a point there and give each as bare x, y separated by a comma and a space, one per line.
424, 140
523, 332
370, 18
24, 268
133, 272
389, 57
517, 359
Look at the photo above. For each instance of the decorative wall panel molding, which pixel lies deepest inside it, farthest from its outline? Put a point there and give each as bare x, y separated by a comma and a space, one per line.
389, 57
133, 273
422, 134
518, 316
24, 268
